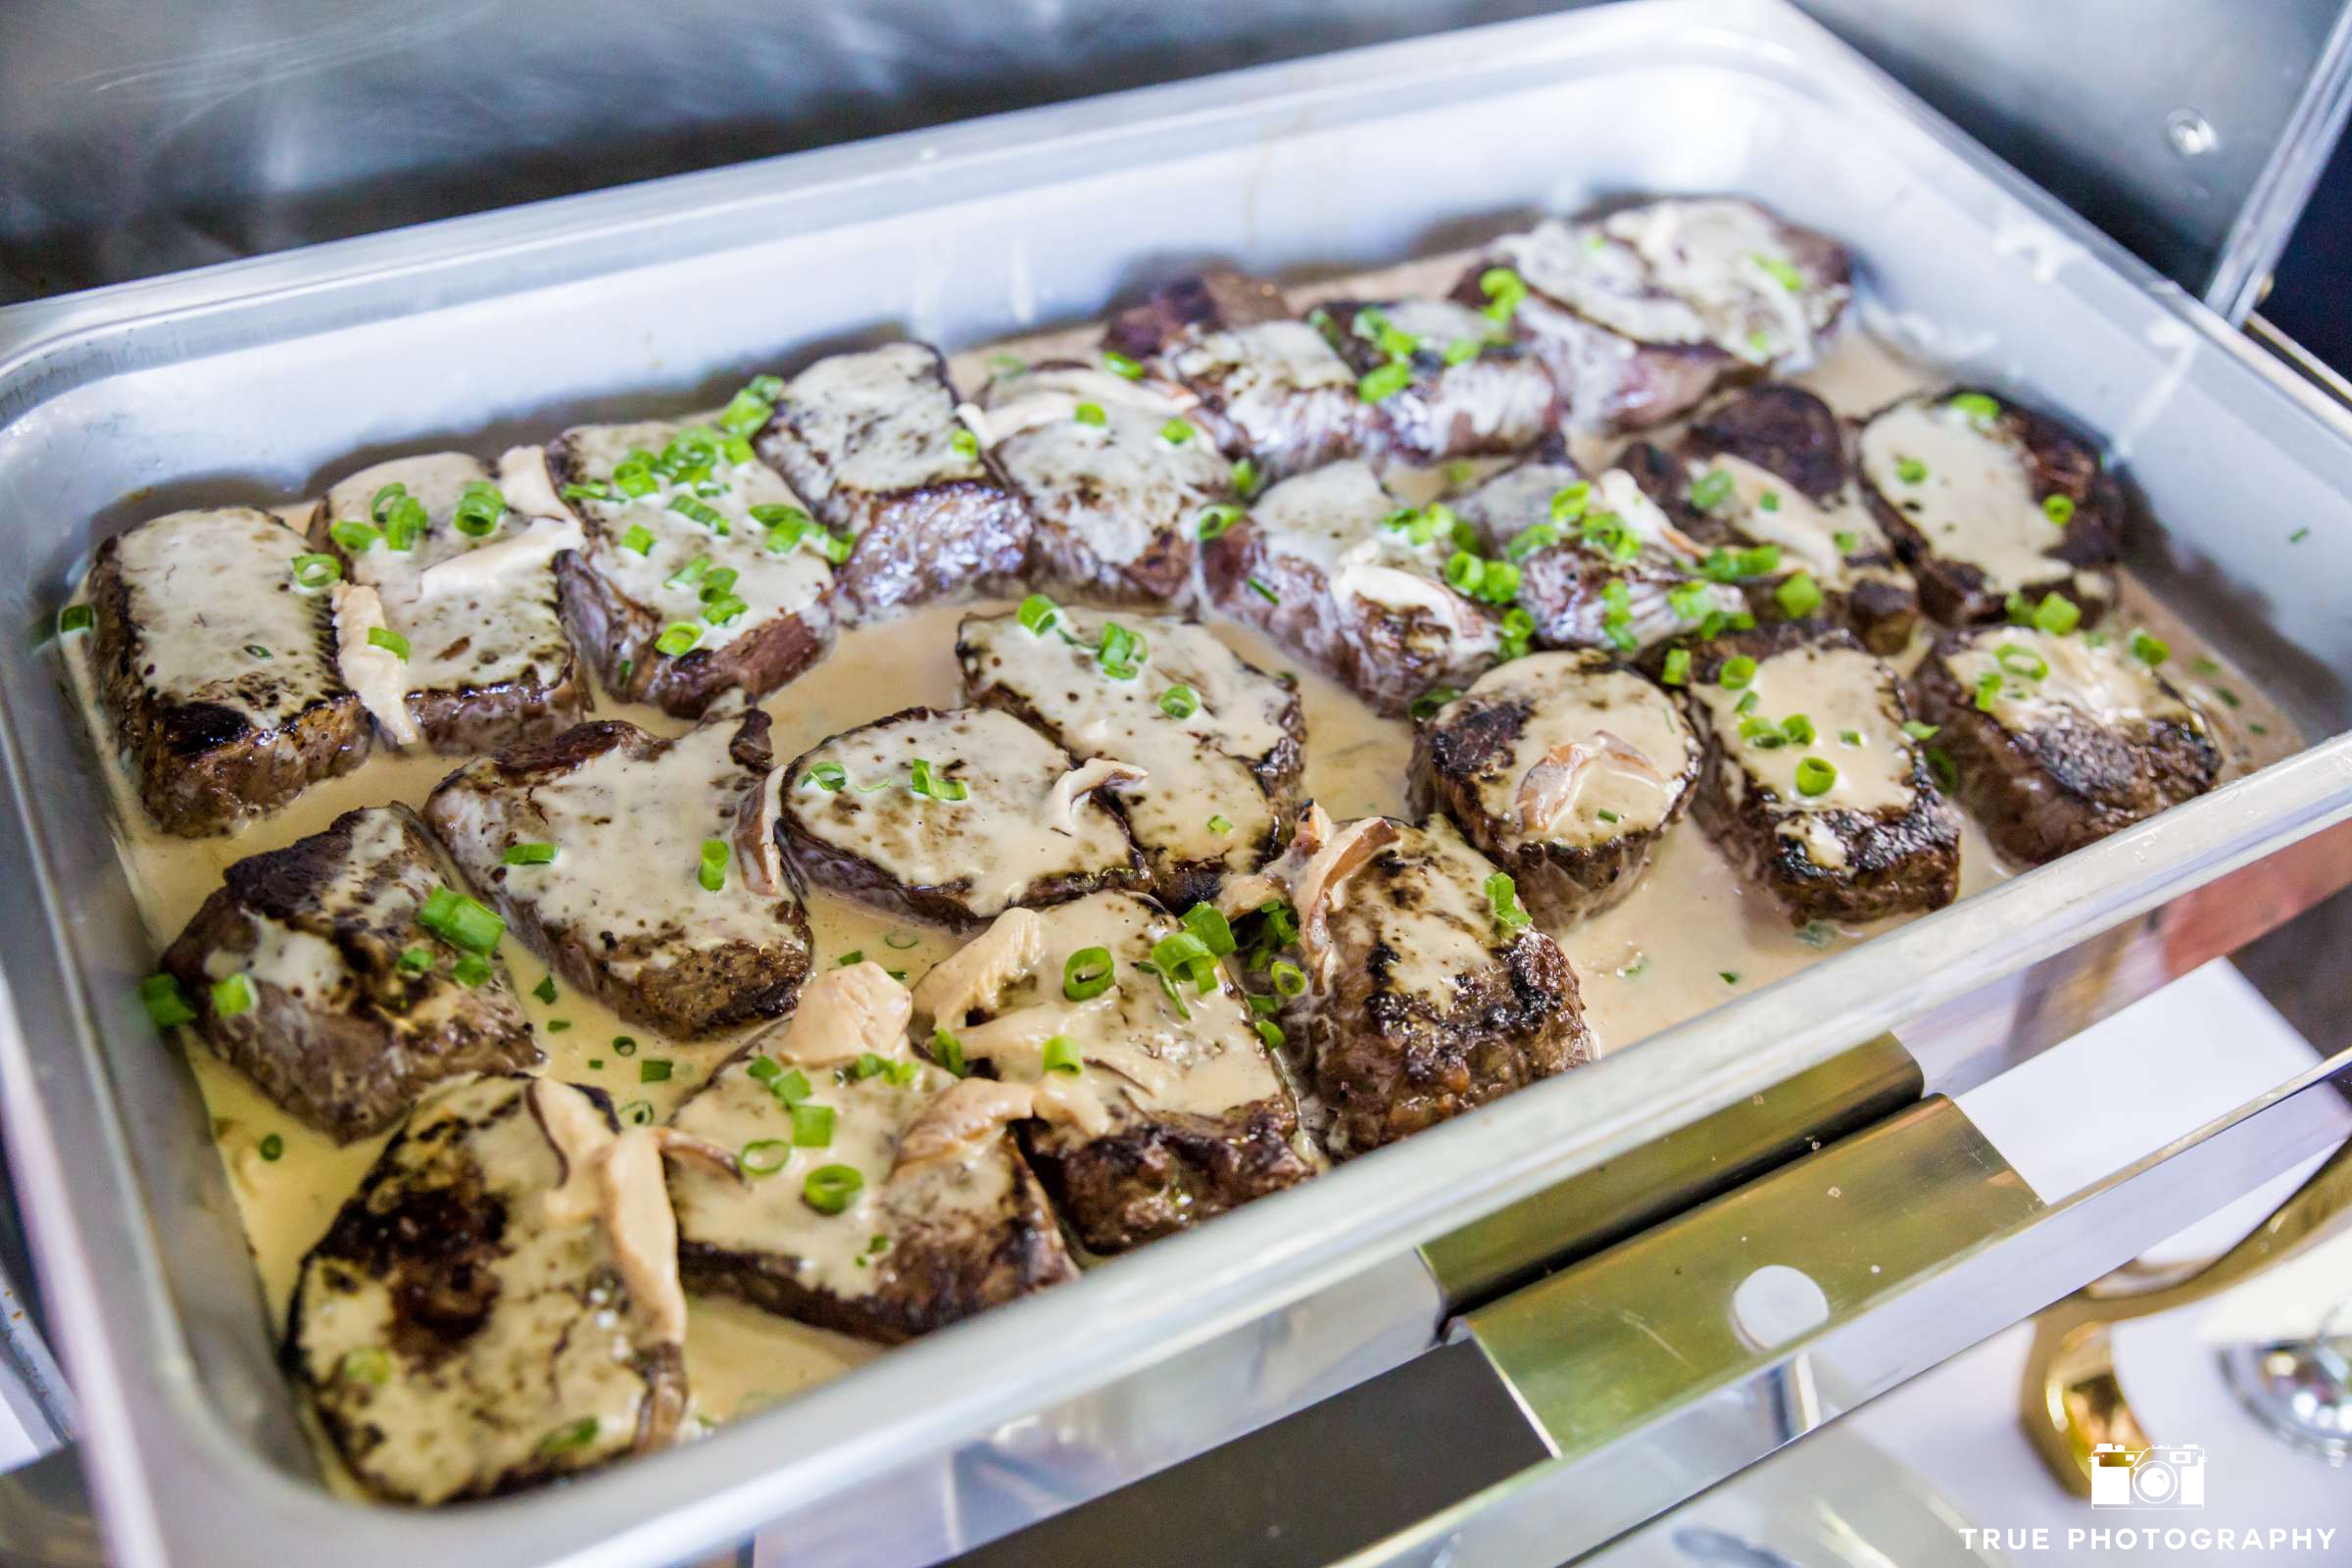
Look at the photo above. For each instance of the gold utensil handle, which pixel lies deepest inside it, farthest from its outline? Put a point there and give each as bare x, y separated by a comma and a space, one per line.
2071, 1400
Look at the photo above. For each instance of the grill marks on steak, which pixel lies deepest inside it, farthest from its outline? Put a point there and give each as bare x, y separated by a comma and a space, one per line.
1114, 473
1235, 759
1268, 386
1420, 1005
1175, 1113
1877, 840
1616, 534
1789, 481
621, 911
488, 661
2050, 762
871, 440
1019, 835
1967, 497
338, 1034
649, 567
1315, 566
491, 1310
218, 672
924, 1243
1641, 313
1565, 770
1471, 391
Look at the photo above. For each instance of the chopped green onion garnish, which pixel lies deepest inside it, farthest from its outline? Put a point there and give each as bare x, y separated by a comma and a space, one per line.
1262, 590
1386, 382
1462, 350
680, 637
1502, 893
415, 960
2057, 615
1730, 565
1176, 432
271, 1148
1505, 289
1736, 671
1062, 1056
470, 969
1037, 614
711, 873
545, 990
1711, 489
1270, 1032
1607, 816
390, 641
698, 512
1942, 769
1245, 477
1798, 728
1846, 540
570, 1438
1086, 973
2149, 651
1528, 541
965, 444
1849, 737
624, 1045
638, 537
1676, 671
480, 505
937, 786
1220, 823
829, 1188
637, 1114
1910, 469
1123, 364
653, 1070
1091, 413
590, 490
166, 1004
461, 921
232, 996
811, 1126
2060, 510
1289, 979
1180, 701
75, 618
1215, 520
1977, 406
763, 1156
1769, 501
357, 537
371, 1364
1798, 596
1988, 689
2019, 660
1209, 924
317, 571
1919, 731
1779, 270
528, 853
1429, 702
688, 575
1570, 501
948, 1052
1814, 776
829, 776
1122, 653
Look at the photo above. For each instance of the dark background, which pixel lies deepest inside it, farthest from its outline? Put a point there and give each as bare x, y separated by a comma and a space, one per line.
2308, 301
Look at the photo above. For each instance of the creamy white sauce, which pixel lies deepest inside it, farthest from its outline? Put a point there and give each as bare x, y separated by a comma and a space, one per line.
1002, 845
672, 574
877, 422
217, 619
1255, 369
1769, 509
1332, 518
1973, 503
1117, 485
1842, 691
1578, 699
2103, 683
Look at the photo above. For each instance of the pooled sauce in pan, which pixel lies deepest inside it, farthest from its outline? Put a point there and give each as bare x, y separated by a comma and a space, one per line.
1693, 934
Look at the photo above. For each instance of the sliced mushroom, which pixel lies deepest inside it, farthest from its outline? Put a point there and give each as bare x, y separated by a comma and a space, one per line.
1621, 493
846, 1014
527, 550
757, 848
616, 1178
1062, 805
1312, 890
1553, 784
977, 1109
676, 1144
977, 973
377, 675
1242, 895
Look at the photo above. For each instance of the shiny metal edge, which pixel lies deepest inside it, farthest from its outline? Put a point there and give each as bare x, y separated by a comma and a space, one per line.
2259, 234
123, 1340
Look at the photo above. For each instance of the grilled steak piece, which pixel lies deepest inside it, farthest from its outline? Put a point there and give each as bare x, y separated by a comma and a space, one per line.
1218, 782
1425, 995
1114, 472
1563, 770
872, 440
1773, 466
2059, 740
946, 1218
623, 908
702, 573
1332, 568
1639, 315
348, 1009
1158, 1107
474, 601
1812, 785
1443, 380
219, 669
1988, 501
1269, 386
954, 816
1600, 566
497, 1304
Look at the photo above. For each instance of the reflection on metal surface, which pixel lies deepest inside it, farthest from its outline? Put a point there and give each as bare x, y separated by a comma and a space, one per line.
1685, 1168
2071, 1402
1652, 1323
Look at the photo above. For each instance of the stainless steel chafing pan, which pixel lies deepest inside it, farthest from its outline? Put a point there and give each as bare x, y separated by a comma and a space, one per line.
253, 380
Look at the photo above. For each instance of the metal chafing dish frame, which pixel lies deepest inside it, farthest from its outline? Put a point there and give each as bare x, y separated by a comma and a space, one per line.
115, 401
